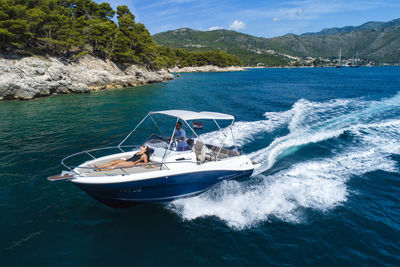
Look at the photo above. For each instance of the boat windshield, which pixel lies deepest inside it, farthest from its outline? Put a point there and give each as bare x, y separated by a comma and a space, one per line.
157, 141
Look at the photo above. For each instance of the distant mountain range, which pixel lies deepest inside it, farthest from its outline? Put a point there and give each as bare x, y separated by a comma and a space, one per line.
373, 41
393, 25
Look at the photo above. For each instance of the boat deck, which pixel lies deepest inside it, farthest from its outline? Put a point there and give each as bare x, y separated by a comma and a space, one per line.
213, 153
88, 169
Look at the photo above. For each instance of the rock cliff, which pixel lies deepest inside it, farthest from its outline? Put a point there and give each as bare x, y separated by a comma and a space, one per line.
29, 77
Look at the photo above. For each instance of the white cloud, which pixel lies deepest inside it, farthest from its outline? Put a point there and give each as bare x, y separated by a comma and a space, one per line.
213, 28
237, 25
299, 12
275, 19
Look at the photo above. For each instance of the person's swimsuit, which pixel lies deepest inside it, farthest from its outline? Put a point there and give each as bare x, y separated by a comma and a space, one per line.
135, 157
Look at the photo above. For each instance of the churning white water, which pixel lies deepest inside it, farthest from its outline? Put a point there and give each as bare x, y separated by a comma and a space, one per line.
318, 183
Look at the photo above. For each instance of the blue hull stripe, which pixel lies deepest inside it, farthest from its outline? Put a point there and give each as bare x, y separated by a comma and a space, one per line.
159, 189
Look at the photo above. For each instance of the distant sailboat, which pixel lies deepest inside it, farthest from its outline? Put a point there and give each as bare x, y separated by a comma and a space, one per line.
339, 65
355, 61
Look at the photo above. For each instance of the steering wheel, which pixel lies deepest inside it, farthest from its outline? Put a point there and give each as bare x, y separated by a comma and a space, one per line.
173, 143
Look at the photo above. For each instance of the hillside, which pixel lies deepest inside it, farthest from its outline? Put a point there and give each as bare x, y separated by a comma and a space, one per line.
250, 49
371, 25
375, 41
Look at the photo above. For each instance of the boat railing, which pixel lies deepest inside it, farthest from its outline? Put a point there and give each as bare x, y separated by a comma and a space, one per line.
90, 153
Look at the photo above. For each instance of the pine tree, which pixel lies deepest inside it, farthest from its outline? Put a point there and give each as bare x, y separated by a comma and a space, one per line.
125, 37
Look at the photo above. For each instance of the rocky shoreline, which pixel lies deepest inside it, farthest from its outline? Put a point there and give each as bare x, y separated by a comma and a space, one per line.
208, 68
29, 77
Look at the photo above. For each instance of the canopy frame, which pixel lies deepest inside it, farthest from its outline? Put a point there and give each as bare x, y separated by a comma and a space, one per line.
185, 116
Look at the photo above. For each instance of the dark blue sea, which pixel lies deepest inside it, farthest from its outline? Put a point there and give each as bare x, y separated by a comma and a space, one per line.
327, 191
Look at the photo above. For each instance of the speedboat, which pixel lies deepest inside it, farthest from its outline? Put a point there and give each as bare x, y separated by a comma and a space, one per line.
170, 174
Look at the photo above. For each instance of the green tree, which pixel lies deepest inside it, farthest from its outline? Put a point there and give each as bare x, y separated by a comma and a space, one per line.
105, 11
125, 37
101, 35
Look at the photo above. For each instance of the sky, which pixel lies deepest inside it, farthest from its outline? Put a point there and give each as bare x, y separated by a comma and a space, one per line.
268, 18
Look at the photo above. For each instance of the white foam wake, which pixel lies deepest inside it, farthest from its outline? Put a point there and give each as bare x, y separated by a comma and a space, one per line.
318, 183
247, 131
313, 122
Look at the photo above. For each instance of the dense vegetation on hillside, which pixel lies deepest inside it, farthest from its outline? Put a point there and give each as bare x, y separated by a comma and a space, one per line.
73, 28
375, 41
250, 49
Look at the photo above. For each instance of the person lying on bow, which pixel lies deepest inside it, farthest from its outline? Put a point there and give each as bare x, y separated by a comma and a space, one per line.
140, 158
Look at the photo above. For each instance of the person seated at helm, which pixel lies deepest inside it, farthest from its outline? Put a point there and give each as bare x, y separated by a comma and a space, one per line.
140, 158
180, 136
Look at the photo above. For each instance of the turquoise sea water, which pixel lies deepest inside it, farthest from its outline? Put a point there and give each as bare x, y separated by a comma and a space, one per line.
328, 191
